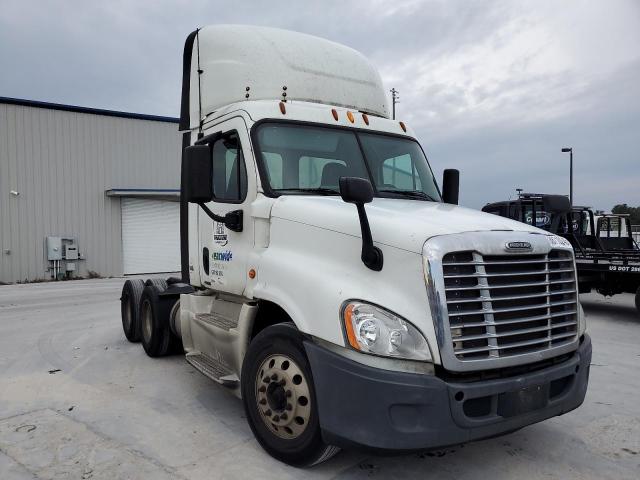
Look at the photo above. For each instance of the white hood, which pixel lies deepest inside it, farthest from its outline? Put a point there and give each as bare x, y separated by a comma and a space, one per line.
405, 224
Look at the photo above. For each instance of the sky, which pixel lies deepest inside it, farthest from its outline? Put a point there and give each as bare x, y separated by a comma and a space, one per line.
493, 88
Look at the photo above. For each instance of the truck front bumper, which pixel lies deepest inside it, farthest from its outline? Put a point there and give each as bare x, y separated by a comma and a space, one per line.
362, 406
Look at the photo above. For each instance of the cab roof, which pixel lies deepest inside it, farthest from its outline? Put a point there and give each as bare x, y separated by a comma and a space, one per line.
225, 64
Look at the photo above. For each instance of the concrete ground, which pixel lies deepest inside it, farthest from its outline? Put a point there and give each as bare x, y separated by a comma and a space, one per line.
79, 401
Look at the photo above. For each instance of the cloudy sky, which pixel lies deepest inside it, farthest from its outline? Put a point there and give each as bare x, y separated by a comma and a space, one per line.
494, 88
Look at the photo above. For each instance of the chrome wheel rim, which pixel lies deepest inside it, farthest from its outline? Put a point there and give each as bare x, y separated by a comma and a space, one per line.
147, 321
283, 396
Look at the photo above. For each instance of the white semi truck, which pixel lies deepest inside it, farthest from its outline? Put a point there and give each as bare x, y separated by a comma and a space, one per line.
330, 283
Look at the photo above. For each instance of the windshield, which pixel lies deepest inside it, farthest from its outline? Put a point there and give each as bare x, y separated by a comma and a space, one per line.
301, 159
543, 219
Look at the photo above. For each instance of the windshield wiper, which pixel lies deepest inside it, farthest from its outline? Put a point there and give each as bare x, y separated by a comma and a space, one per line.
318, 190
410, 193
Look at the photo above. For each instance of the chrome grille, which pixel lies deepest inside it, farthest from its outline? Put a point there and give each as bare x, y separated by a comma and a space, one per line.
506, 305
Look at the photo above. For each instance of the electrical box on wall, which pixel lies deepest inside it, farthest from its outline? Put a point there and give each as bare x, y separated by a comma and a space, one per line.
54, 248
70, 251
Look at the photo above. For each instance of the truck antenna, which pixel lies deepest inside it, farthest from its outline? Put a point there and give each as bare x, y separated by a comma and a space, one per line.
395, 98
199, 86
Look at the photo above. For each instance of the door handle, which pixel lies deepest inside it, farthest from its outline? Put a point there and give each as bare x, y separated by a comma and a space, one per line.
205, 260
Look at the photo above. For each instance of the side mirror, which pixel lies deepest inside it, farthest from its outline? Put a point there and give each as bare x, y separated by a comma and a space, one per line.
359, 191
450, 186
198, 186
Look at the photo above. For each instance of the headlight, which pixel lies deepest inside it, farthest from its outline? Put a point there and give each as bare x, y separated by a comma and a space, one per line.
371, 329
558, 241
582, 321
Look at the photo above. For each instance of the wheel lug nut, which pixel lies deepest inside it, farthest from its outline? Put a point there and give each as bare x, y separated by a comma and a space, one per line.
276, 418
268, 413
266, 379
262, 389
288, 407
288, 393
283, 382
274, 377
284, 416
262, 402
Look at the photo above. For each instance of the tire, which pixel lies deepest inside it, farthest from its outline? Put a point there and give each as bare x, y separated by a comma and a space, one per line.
154, 323
283, 416
129, 308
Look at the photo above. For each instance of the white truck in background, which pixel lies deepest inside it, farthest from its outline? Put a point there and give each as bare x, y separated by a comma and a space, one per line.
330, 283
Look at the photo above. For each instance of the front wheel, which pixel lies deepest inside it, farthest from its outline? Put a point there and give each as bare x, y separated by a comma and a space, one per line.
279, 398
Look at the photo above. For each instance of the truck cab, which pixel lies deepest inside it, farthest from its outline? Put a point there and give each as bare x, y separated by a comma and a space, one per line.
331, 283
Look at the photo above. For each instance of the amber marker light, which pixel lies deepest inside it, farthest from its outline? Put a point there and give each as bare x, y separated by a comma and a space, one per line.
283, 109
348, 324
334, 112
365, 117
350, 117
403, 127
252, 274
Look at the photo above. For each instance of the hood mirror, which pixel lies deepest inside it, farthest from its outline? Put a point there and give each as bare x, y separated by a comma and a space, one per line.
359, 191
356, 190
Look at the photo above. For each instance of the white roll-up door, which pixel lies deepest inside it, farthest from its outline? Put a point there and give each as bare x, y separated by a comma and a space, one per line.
150, 236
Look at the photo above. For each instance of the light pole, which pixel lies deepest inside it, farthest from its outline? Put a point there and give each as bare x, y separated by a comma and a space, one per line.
395, 98
569, 150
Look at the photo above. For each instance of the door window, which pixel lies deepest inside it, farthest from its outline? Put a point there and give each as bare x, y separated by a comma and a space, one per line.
229, 171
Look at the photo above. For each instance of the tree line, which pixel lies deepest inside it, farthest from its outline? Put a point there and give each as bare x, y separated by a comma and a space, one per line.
633, 212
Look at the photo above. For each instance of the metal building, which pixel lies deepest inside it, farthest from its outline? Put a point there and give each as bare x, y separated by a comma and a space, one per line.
85, 190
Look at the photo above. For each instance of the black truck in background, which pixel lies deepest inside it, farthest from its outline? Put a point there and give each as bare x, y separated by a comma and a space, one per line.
607, 256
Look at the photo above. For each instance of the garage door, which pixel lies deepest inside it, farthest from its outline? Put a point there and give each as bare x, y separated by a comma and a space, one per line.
150, 236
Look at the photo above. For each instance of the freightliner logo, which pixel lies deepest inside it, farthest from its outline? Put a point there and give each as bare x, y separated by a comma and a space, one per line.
519, 246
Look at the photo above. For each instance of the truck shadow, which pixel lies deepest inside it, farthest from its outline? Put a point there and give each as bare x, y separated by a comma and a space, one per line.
614, 312
548, 446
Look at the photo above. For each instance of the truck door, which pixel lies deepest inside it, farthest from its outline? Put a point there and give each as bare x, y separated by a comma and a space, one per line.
224, 252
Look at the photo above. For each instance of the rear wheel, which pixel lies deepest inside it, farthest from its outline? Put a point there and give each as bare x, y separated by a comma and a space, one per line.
154, 327
279, 398
129, 306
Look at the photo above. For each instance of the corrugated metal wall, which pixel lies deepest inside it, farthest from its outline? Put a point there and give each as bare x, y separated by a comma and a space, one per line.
61, 163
